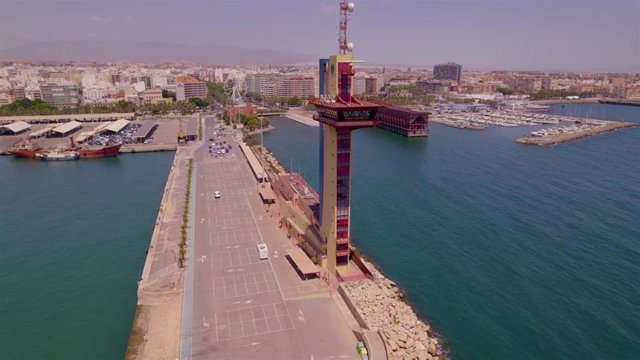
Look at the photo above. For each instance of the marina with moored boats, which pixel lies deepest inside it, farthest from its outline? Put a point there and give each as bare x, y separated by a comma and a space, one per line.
563, 129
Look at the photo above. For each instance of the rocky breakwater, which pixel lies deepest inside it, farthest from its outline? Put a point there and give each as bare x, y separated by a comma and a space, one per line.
381, 304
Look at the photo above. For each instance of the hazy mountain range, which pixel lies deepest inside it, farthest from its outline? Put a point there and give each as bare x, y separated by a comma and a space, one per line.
148, 52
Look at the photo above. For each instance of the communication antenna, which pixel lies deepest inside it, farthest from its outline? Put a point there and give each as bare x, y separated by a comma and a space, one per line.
345, 10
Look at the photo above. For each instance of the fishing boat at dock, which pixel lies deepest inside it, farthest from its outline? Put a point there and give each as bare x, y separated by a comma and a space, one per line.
59, 155
96, 151
24, 149
99, 151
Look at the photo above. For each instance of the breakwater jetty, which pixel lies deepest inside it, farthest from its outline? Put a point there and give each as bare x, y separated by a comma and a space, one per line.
553, 136
380, 305
620, 102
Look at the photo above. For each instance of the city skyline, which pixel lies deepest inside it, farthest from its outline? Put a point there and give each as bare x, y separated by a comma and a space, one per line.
593, 35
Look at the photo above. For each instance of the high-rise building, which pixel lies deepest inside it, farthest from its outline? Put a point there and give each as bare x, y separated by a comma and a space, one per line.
298, 85
60, 95
371, 85
265, 84
433, 86
188, 87
448, 71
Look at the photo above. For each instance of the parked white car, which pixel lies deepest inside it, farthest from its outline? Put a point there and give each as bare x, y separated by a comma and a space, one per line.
263, 252
217, 195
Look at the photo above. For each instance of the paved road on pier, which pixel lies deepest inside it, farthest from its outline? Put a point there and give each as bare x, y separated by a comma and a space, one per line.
244, 307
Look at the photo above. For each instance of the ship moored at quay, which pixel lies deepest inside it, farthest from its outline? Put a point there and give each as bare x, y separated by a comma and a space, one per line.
32, 150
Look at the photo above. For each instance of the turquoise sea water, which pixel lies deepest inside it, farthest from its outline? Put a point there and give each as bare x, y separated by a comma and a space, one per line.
510, 251
73, 238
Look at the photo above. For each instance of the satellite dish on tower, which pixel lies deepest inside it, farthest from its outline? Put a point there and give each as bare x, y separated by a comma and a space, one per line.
351, 6
350, 47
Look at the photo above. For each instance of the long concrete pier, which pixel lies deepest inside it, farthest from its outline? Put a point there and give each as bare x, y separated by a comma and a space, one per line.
155, 330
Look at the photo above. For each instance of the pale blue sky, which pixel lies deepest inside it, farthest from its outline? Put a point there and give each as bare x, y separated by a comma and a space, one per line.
483, 34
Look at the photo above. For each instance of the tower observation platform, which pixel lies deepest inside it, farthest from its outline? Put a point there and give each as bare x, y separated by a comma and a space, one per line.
339, 113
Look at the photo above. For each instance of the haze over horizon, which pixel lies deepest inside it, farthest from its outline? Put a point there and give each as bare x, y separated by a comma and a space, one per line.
547, 35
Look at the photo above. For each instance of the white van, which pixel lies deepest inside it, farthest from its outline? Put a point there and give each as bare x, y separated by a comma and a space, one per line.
263, 252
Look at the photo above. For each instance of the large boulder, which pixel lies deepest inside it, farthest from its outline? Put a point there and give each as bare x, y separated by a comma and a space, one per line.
432, 349
410, 343
393, 345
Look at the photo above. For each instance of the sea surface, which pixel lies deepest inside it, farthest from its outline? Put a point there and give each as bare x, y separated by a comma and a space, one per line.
73, 240
510, 251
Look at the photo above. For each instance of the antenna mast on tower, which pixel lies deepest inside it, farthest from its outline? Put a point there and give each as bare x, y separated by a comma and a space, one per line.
345, 9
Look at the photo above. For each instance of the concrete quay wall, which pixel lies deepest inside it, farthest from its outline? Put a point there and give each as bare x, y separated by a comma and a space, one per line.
155, 331
301, 118
147, 148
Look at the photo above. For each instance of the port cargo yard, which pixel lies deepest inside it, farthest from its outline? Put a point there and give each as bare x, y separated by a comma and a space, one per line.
563, 129
141, 135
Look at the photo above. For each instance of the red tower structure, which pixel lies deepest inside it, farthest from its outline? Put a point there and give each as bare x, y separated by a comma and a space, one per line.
339, 114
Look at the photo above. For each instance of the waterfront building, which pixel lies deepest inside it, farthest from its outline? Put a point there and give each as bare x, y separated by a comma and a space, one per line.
265, 84
33, 94
5, 98
17, 93
448, 71
14, 128
153, 96
247, 109
371, 85
433, 86
188, 87
403, 121
359, 84
523, 84
298, 85
61, 95
93, 95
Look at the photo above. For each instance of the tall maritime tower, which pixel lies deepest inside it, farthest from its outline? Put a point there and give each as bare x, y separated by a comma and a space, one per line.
339, 113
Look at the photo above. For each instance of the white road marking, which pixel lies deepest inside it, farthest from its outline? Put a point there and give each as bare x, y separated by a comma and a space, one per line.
201, 220
300, 315
204, 322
